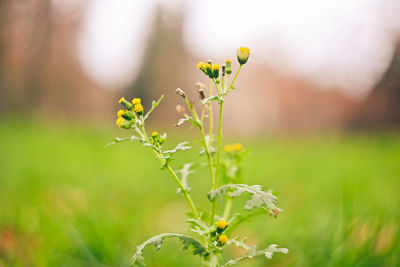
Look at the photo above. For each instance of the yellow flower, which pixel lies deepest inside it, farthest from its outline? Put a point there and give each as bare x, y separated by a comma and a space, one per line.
228, 148
200, 65
237, 146
154, 134
215, 71
207, 66
138, 108
119, 122
136, 101
222, 224
223, 239
120, 113
243, 54
121, 100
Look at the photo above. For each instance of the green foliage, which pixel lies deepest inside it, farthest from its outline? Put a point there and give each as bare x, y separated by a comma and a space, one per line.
259, 199
187, 242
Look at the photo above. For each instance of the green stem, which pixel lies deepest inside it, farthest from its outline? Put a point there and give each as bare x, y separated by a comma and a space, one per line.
228, 207
210, 113
234, 79
176, 178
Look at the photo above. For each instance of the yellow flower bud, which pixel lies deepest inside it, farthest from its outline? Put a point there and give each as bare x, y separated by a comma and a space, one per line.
228, 148
154, 134
223, 239
228, 66
125, 103
215, 69
119, 122
243, 54
136, 101
138, 109
222, 224
120, 113
237, 146
208, 70
200, 65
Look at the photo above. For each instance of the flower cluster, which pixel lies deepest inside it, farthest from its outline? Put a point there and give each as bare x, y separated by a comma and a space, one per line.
132, 111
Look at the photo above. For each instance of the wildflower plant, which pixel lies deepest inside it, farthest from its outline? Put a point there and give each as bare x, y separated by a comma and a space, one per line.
215, 231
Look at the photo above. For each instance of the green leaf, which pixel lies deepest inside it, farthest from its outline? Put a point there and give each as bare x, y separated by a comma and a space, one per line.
187, 241
199, 226
119, 140
239, 243
268, 252
181, 146
185, 171
210, 99
189, 119
259, 199
154, 104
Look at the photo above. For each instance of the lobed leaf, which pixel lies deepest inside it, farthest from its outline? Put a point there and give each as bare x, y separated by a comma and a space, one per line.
185, 171
180, 147
119, 140
268, 252
259, 199
187, 241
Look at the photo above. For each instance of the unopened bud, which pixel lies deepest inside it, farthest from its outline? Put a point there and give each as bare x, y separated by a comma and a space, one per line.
223, 68
180, 109
200, 88
215, 69
228, 66
243, 54
125, 103
180, 92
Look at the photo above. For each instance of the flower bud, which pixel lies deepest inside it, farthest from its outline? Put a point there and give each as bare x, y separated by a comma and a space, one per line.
223, 239
215, 70
180, 109
125, 103
243, 54
200, 66
228, 63
208, 69
138, 109
237, 146
136, 101
223, 68
200, 89
180, 92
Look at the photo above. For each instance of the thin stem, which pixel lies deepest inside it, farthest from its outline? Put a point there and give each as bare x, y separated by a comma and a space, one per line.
210, 113
176, 178
234, 79
228, 207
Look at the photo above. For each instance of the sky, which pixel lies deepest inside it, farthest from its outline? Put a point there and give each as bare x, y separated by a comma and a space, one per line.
344, 44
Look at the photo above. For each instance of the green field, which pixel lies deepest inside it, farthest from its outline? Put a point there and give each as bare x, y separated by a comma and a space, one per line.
65, 200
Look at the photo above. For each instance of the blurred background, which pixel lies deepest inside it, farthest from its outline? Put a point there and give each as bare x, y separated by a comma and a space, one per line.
317, 104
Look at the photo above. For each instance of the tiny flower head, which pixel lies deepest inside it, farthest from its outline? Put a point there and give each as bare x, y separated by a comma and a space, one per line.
243, 54
228, 148
200, 66
120, 113
200, 89
222, 224
125, 103
154, 134
215, 70
139, 109
208, 70
237, 146
228, 64
119, 122
223, 239
136, 101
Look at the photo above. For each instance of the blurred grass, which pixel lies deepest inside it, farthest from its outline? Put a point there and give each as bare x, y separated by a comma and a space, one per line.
65, 200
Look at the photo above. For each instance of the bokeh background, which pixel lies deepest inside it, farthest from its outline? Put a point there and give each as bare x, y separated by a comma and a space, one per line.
318, 105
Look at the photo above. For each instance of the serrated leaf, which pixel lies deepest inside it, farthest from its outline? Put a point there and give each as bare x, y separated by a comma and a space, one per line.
259, 199
239, 243
187, 241
268, 252
185, 171
119, 140
180, 147
199, 226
